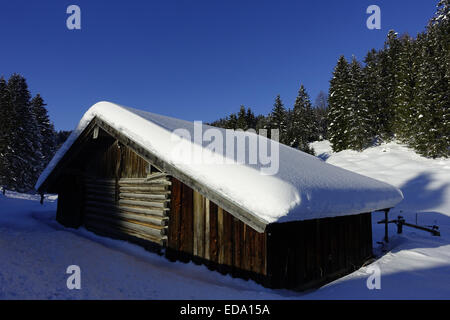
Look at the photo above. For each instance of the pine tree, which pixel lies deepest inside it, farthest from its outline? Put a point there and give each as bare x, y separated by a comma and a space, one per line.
302, 122
6, 130
46, 130
360, 133
278, 119
241, 122
388, 75
320, 111
372, 91
251, 119
434, 86
403, 104
25, 156
338, 114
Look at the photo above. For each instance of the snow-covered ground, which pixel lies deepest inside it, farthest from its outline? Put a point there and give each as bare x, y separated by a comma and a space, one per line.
35, 251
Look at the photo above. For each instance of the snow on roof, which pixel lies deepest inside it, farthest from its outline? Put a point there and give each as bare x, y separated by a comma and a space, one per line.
303, 188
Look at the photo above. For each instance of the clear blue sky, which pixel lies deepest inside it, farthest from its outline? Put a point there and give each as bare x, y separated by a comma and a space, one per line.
196, 60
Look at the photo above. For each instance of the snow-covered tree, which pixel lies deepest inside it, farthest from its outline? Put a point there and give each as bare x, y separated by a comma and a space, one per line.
359, 126
278, 119
338, 112
45, 128
302, 124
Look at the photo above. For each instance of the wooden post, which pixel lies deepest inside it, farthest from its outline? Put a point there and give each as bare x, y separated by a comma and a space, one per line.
400, 222
386, 224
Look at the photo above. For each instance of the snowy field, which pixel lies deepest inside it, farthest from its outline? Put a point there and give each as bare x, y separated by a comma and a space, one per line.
35, 250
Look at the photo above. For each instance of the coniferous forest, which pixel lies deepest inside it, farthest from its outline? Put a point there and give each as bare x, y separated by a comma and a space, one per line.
401, 91
28, 140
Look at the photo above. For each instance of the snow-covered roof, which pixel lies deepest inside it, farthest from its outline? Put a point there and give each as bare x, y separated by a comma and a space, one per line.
303, 188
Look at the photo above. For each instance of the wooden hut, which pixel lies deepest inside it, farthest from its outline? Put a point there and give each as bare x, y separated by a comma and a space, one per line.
116, 183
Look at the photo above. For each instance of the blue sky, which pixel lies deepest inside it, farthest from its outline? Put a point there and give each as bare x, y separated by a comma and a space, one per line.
196, 60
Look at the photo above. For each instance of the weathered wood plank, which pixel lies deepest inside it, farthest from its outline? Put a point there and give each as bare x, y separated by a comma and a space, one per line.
213, 233
207, 228
120, 231
199, 225
221, 237
140, 203
135, 227
175, 213
162, 189
228, 235
143, 196
156, 211
187, 220
237, 243
143, 183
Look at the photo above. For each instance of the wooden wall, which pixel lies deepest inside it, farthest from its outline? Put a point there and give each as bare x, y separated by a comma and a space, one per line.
310, 253
201, 230
122, 196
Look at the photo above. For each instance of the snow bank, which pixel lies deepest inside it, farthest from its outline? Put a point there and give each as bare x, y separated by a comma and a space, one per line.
304, 187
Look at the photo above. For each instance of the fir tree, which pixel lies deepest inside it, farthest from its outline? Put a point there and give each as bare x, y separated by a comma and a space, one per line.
26, 139
320, 115
360, 134
403, 104
241, 122
302, 123
278, 119
338, 111
372, 91
6, 131
45, 128
388, 64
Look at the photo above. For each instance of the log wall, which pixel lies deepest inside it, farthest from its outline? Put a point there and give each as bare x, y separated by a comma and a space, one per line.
123, 197
305, 254
202, 231
134, 206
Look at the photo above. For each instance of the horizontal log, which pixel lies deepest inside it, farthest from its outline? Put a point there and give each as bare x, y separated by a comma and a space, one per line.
149, 188
143, 182
152, 204
151, 219
123, 232
157, 175
143, 196
157, 212
135, 227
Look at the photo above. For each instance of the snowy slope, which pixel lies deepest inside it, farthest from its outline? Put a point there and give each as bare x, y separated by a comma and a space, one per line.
303, 188
35, 251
